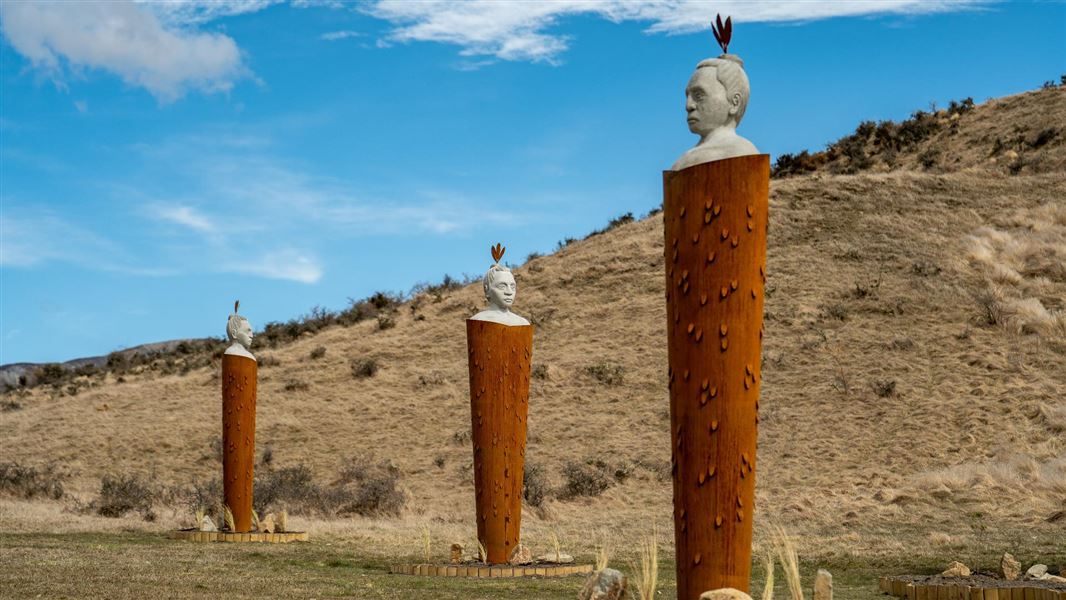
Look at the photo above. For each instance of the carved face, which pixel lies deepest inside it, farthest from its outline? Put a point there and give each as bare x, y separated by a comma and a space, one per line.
244, 334
706, 102
502, 290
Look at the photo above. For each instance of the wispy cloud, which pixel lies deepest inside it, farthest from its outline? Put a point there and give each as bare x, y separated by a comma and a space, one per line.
158, 45
521, 30
30, 238
333, 36
123, 38
288, 264
187, 216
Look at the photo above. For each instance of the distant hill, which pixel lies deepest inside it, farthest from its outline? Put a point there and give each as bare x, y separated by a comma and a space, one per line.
914, 361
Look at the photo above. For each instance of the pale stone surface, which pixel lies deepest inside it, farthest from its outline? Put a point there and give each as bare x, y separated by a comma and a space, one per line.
823, 585
607, 584
1036, 571
239, 331
724, 594
956, 569
267, 525
520, 556
715, 101
500, 291
1052, 578
457, 553
1010, 567
552, 558
207, 524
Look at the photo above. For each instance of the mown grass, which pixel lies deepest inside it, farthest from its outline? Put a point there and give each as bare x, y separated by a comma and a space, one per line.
138, 565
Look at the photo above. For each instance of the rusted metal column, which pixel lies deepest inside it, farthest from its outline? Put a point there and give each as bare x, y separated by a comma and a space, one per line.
238, 437
499, 362
715, 218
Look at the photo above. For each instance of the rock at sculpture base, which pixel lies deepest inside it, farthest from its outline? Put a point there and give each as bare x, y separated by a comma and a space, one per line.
457, 553
555, 559
607, 584
823, 585
724, 594
207, 524
1010, 567
956, 569
1036, 571
520, 556
266, 524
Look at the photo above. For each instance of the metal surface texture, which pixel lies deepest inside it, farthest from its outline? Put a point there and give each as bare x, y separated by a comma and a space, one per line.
499, 361
715, 217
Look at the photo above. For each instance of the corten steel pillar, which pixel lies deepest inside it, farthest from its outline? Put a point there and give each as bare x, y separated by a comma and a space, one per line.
715, 218
499, 362
238, 437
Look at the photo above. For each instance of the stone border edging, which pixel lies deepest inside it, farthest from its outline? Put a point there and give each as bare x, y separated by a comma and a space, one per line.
902, 588
486, 571
254, 537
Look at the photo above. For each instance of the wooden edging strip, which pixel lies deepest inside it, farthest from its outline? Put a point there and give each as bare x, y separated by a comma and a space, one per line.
489, 572
222, 536
903, 588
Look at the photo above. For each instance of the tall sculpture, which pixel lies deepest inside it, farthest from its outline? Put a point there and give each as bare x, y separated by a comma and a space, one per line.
239, 375
500, 345
715, 202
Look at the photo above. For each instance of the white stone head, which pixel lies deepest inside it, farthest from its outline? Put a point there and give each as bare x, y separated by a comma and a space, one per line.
717, 95
499, 283
500, 287
238, 329
716, 99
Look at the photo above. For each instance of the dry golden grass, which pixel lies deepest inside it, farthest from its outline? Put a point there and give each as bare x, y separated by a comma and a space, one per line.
892, 409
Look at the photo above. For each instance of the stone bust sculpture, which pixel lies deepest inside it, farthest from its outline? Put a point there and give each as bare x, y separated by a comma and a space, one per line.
715, 101
239, 332
500, 289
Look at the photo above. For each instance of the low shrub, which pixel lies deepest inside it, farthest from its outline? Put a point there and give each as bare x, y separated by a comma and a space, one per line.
535, 485
318, 353
121, 494
364, 367
606, 372
590, 478
24, 481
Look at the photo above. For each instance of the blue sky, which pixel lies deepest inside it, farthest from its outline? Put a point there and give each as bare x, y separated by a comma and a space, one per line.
161, 160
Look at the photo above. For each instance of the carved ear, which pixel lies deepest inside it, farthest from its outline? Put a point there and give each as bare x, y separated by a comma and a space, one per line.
735, 104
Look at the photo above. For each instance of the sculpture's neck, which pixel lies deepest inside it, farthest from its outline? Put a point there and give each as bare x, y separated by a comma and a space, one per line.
720, 134
498, 308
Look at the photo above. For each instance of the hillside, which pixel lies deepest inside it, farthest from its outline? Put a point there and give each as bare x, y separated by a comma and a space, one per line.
914, 378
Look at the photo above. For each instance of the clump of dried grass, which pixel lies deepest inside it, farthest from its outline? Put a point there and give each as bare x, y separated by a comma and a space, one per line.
648, 571
227, 517
603, 554
426, 541
789, 559
1024, 264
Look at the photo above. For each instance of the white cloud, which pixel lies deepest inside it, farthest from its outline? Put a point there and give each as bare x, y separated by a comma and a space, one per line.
333, 36
291, 265
187, 216
189, 12
125, 39
519, 30
30, 238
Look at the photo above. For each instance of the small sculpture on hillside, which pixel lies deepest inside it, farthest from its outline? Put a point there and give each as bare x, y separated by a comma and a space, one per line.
715, 101
239, 332
239, 379
500, 290
500, 348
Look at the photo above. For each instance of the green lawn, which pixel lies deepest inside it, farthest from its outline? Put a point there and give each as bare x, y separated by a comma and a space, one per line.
137, 565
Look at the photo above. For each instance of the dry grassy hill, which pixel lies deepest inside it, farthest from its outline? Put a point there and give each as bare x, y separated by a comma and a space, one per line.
914, 369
